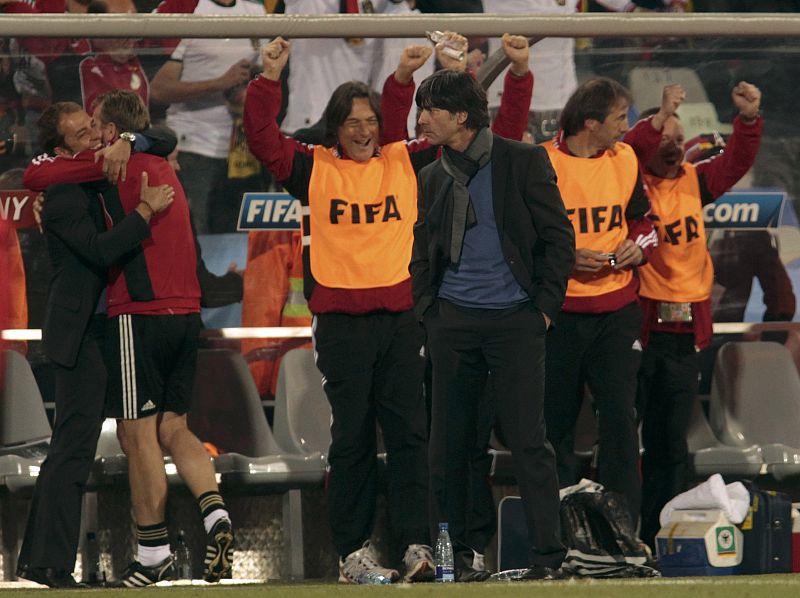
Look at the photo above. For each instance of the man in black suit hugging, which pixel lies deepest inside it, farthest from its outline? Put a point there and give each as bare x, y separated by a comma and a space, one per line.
81, 250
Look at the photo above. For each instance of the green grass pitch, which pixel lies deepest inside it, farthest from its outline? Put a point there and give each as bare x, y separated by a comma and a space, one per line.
767, 586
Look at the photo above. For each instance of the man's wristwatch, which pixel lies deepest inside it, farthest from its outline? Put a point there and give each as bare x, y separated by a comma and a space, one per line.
129, 137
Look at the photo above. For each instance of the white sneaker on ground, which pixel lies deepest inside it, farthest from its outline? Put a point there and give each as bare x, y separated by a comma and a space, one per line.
362, 568
418, 561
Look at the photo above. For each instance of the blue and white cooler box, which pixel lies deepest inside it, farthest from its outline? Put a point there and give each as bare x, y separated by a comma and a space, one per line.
699, 542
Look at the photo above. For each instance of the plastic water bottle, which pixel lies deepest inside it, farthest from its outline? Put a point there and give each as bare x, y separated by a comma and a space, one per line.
183, 558
444, 556
375, 578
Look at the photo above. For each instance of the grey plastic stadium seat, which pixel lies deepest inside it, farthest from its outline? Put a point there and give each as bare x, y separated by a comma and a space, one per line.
701, 117
110, 462
755, 399
302, 412
710, 456
24, 429
227, 412
792, 343
24, 420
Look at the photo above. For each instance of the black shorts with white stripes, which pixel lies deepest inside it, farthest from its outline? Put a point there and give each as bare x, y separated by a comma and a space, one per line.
151, 363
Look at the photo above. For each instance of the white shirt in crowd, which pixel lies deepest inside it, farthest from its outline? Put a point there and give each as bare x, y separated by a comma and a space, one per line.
204, 124
387, 53
319, 66
552, 59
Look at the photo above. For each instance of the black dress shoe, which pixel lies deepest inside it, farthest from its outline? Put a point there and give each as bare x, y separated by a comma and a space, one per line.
469, 567
54, 578
541, 573
469, 575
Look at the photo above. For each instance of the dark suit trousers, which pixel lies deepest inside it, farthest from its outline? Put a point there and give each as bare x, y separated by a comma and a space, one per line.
52, 533
597, 350
373, 372
465, 345
667, 390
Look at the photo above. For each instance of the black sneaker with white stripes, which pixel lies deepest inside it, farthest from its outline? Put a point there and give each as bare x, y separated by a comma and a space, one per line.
138, 576
219, 551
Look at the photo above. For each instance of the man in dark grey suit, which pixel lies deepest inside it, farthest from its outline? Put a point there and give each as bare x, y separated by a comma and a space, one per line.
492, 252
80, 252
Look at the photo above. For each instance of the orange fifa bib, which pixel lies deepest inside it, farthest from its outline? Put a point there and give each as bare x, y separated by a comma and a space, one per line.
680, 269
596, 192
361, 218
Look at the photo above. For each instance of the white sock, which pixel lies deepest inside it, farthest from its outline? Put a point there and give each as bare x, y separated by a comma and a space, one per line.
149, 556
214, 516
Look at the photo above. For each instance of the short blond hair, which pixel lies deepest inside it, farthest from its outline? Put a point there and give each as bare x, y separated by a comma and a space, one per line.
124, 108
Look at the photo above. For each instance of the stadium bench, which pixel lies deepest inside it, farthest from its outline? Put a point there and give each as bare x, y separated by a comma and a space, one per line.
755, 399
302, 412
24, 429
710, 456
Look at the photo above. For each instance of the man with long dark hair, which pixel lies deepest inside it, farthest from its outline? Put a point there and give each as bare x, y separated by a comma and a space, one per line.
359, 201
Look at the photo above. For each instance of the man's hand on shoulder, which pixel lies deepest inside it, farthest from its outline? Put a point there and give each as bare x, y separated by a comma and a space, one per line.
115, 160
153, 199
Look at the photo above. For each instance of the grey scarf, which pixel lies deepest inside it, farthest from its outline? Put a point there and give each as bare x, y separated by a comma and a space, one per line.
462, 166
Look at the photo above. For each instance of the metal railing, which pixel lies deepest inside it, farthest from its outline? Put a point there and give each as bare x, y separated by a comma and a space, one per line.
751, 25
